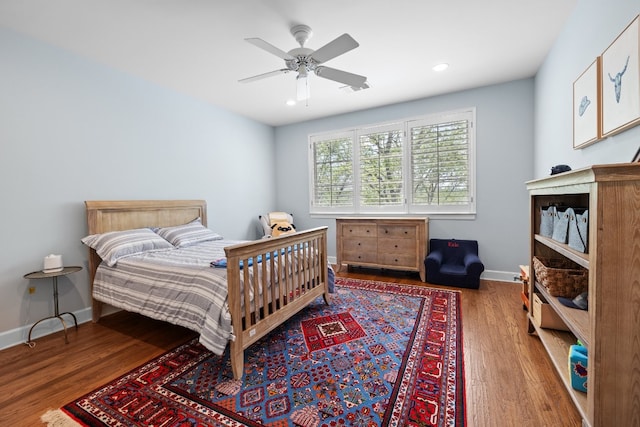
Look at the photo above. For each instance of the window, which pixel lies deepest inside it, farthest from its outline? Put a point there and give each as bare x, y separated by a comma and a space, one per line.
333, 172
380, 174
421, 165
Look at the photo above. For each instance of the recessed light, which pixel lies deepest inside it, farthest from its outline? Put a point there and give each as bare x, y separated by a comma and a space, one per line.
441, 67
291, 102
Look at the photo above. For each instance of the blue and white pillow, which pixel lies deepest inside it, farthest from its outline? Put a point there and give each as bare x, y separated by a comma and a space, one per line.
189, 234
115, 245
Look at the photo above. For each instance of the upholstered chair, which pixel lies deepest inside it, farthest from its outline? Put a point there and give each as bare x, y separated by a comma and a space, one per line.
454, 262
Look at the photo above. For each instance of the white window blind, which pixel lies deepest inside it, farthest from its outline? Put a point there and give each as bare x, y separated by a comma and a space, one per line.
440, 155
333, 172
381, 168
421, 165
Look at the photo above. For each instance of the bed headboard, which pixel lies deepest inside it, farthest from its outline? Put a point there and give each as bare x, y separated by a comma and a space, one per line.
117, 215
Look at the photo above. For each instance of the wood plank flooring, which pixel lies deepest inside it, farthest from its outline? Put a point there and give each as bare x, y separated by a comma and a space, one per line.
509, 378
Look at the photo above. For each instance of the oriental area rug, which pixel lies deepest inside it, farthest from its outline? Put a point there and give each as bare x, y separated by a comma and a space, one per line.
382, 354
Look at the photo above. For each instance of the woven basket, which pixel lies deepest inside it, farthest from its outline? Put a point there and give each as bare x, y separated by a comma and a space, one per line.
561, 277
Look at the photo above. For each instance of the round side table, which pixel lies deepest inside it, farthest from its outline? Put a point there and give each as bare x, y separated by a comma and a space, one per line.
57, 314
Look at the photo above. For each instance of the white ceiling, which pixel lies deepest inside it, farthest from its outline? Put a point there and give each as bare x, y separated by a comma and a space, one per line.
197, 47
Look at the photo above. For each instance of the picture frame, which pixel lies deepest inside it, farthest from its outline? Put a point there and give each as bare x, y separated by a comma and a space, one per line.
636, 158
620, 81
586, 106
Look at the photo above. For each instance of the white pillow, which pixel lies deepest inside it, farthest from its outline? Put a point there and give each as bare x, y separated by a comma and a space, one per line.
189, 234
116, 245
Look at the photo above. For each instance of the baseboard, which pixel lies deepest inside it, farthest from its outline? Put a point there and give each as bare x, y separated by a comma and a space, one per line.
19, 335
500, 276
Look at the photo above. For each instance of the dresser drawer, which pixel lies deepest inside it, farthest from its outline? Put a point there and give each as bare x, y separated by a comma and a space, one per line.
397, 252
397, 260
400, 231
359, 230
362, 249
397, 246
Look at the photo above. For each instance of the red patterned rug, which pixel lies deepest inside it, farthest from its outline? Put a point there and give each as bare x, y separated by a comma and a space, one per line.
381, 354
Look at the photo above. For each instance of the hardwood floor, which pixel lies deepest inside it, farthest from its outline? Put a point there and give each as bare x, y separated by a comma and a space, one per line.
509, 379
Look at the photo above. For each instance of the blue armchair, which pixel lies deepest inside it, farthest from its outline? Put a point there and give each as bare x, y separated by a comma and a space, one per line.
454, 263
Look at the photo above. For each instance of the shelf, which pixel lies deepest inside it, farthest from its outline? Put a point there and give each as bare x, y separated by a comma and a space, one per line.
579, 258
557, 344
576, 320
610, 328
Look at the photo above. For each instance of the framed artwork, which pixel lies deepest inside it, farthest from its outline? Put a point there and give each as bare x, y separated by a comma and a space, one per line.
620, 81
586, 106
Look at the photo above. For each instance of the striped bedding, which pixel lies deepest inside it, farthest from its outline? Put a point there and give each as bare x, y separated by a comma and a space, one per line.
177, 286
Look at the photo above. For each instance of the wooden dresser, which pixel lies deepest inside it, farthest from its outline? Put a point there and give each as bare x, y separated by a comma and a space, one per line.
384, 242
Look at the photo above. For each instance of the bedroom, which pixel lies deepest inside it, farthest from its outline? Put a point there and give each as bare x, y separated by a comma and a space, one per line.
69, 123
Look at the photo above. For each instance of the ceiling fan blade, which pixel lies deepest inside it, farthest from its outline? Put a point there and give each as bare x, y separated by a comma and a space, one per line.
264, 75
341, 45
269, 48
350, 79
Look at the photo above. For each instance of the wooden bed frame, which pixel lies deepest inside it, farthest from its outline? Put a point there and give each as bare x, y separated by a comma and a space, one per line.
292, 293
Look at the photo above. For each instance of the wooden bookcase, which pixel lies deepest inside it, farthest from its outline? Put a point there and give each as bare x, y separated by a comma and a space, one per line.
398, 243
610, 329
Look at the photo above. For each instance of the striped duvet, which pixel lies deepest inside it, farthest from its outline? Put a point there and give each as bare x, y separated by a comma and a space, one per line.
177, 286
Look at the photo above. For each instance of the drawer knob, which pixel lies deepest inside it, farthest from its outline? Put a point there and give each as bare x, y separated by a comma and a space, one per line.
396, 246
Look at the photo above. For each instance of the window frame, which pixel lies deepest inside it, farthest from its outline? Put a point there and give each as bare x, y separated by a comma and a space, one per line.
464, 211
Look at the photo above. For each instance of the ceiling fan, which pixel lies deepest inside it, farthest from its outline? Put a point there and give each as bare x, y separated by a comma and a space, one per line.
304, 61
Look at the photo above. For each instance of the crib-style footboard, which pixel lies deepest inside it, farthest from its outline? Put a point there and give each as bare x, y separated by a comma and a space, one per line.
269, 281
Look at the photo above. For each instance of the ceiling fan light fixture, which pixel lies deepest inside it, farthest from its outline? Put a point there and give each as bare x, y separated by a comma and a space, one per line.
302, 87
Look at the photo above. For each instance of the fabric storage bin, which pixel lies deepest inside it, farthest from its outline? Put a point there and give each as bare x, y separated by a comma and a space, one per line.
544, 316
561, 277
578, 235
578, 359
547, 215
560, 225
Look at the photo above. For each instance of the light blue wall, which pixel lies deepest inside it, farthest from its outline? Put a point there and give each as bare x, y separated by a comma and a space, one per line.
72, 130
524, 128
592, 27
504, 137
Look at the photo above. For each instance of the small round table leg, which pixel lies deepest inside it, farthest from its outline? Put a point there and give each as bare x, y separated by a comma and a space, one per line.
75, 320
64, 325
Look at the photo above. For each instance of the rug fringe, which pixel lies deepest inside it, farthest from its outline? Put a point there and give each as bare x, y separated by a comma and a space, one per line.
57, 418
